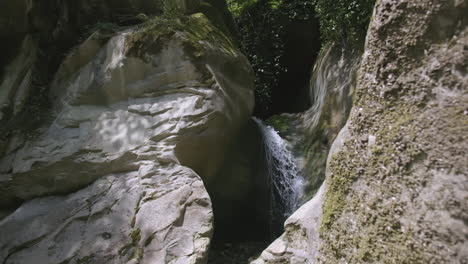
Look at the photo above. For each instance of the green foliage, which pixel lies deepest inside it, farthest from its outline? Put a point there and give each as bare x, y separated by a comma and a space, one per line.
171, 8
275, 4
135, 234
280, 123
262, 29
263, 25
196, 31
237, 7
344, 20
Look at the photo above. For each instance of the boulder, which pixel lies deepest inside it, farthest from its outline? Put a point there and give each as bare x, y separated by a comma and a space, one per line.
397, 189
45, 32
114, 174
396, 178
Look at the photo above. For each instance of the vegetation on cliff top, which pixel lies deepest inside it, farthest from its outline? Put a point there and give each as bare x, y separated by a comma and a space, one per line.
344, 20
264, 25
264, 28
340, 20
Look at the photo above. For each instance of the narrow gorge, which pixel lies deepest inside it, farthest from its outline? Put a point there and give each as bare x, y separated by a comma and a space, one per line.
233, 131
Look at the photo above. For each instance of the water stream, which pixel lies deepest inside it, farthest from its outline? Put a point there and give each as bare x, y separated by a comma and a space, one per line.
285, 180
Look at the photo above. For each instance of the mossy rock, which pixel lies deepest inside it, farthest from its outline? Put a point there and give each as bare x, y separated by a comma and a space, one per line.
281, 123
394, 192
196, 31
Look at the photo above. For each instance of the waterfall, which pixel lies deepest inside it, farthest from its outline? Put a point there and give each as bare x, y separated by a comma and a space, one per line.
286, 182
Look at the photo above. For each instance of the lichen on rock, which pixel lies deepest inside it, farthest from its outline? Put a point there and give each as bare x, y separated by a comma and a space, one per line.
391, 185
395, 185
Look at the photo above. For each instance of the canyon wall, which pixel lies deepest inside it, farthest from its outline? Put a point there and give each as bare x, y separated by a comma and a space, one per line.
395, 189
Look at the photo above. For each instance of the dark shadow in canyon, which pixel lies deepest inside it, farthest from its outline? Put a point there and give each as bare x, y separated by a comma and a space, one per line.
241, 197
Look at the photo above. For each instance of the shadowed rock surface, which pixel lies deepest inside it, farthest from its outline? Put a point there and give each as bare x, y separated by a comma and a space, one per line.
126, 136
397, 190
396, 180
131, 124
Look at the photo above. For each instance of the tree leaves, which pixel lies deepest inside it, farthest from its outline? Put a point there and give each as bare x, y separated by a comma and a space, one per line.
344, 20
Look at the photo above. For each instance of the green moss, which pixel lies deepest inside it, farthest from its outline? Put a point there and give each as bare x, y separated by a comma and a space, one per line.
237, 7
133, 249
132, 224
139, 252
172, 8
149, 239
386, 161
386, 169
153, 196
280, 123
135, 234
382, 213
196, 32
338, 187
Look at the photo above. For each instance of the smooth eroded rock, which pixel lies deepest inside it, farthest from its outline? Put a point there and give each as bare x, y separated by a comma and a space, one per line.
119, 164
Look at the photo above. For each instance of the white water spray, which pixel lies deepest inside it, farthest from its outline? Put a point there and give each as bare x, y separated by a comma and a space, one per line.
287, 184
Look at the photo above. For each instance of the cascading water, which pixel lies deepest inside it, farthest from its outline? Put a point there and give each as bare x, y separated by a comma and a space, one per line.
285, 180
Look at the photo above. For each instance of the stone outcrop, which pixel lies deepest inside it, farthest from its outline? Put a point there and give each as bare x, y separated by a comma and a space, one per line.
110, 132
396, 181
397, 190
114, 173
37, 35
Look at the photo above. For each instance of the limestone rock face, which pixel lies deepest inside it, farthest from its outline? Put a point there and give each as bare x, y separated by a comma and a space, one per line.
397, 190
53, 28
396, 180
133, 123
36, 36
